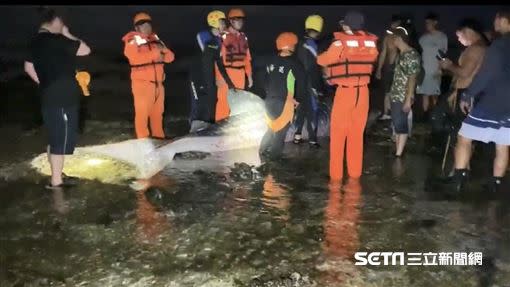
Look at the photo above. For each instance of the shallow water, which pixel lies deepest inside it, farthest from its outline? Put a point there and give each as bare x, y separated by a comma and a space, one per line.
207, 222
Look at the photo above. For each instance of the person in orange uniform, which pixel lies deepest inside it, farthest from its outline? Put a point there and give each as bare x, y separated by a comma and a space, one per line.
236, 56
348, 63
147, 54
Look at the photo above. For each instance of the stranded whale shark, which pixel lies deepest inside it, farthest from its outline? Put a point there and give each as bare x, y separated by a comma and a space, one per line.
243, 129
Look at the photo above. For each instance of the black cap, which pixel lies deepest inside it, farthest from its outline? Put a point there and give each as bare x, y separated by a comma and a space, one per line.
472, 24
396, 18
355, 20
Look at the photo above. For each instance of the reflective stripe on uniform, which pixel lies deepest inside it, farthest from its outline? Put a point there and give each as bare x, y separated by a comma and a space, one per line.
199, 40
139, 40
370, 44
64, 116
352, 43
309, 48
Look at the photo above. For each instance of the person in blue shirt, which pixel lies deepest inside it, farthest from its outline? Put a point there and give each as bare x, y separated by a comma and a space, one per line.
306, 52
488, 120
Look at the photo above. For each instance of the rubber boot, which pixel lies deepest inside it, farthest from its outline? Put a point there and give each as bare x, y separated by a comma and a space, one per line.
459, 179
314, 144
298, 139
496, 184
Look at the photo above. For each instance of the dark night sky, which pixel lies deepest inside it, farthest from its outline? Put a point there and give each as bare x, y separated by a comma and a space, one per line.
103, 26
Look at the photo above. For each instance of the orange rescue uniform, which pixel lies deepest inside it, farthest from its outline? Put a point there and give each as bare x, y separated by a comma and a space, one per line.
147, 76
348, 63
236, 57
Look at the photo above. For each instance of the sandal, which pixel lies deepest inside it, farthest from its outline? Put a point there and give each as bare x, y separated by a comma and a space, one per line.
69, 180
54, 187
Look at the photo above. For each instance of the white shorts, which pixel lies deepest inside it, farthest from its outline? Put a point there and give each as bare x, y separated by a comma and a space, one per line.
499, 136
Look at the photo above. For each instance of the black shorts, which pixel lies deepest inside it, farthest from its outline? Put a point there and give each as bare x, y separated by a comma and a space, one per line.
62, 126
399, 118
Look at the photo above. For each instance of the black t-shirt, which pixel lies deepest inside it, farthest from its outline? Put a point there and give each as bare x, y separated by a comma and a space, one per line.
281, 73
54, 59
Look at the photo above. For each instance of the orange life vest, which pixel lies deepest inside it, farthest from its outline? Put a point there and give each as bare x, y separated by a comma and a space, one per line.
236, 49
142, 59
355, 62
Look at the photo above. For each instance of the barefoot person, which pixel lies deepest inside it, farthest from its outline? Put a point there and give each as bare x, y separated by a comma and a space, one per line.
52, 66
403, 86
386, 66
431, 43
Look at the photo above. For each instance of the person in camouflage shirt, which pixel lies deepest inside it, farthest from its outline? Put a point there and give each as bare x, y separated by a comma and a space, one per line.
402, 89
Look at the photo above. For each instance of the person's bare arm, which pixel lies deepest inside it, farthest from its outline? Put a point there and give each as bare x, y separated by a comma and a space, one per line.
30, 70
411, 85
382, 56
84, 49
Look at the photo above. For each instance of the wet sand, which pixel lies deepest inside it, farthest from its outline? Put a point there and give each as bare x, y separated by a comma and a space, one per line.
204, 224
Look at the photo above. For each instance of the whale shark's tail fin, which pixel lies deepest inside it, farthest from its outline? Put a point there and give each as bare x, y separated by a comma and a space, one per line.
133, 152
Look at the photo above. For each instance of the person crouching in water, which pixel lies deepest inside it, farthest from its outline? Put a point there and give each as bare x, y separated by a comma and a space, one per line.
147, 54
403, 86
285, 84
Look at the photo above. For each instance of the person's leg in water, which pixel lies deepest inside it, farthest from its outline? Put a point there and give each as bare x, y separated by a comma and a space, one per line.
401, 127
56, 165
387, 108
312, 122
62, 125
340, 124
300, 121
500, 165
425, 103
401, 143
359, 115
386, 114
278, 142
387, 79
266, 141
462, 157
429, 101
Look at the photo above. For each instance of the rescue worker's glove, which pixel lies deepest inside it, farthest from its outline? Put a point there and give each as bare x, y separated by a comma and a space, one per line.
83, 79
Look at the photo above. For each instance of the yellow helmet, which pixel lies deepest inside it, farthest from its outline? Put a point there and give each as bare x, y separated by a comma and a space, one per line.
213, 18
314, 22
